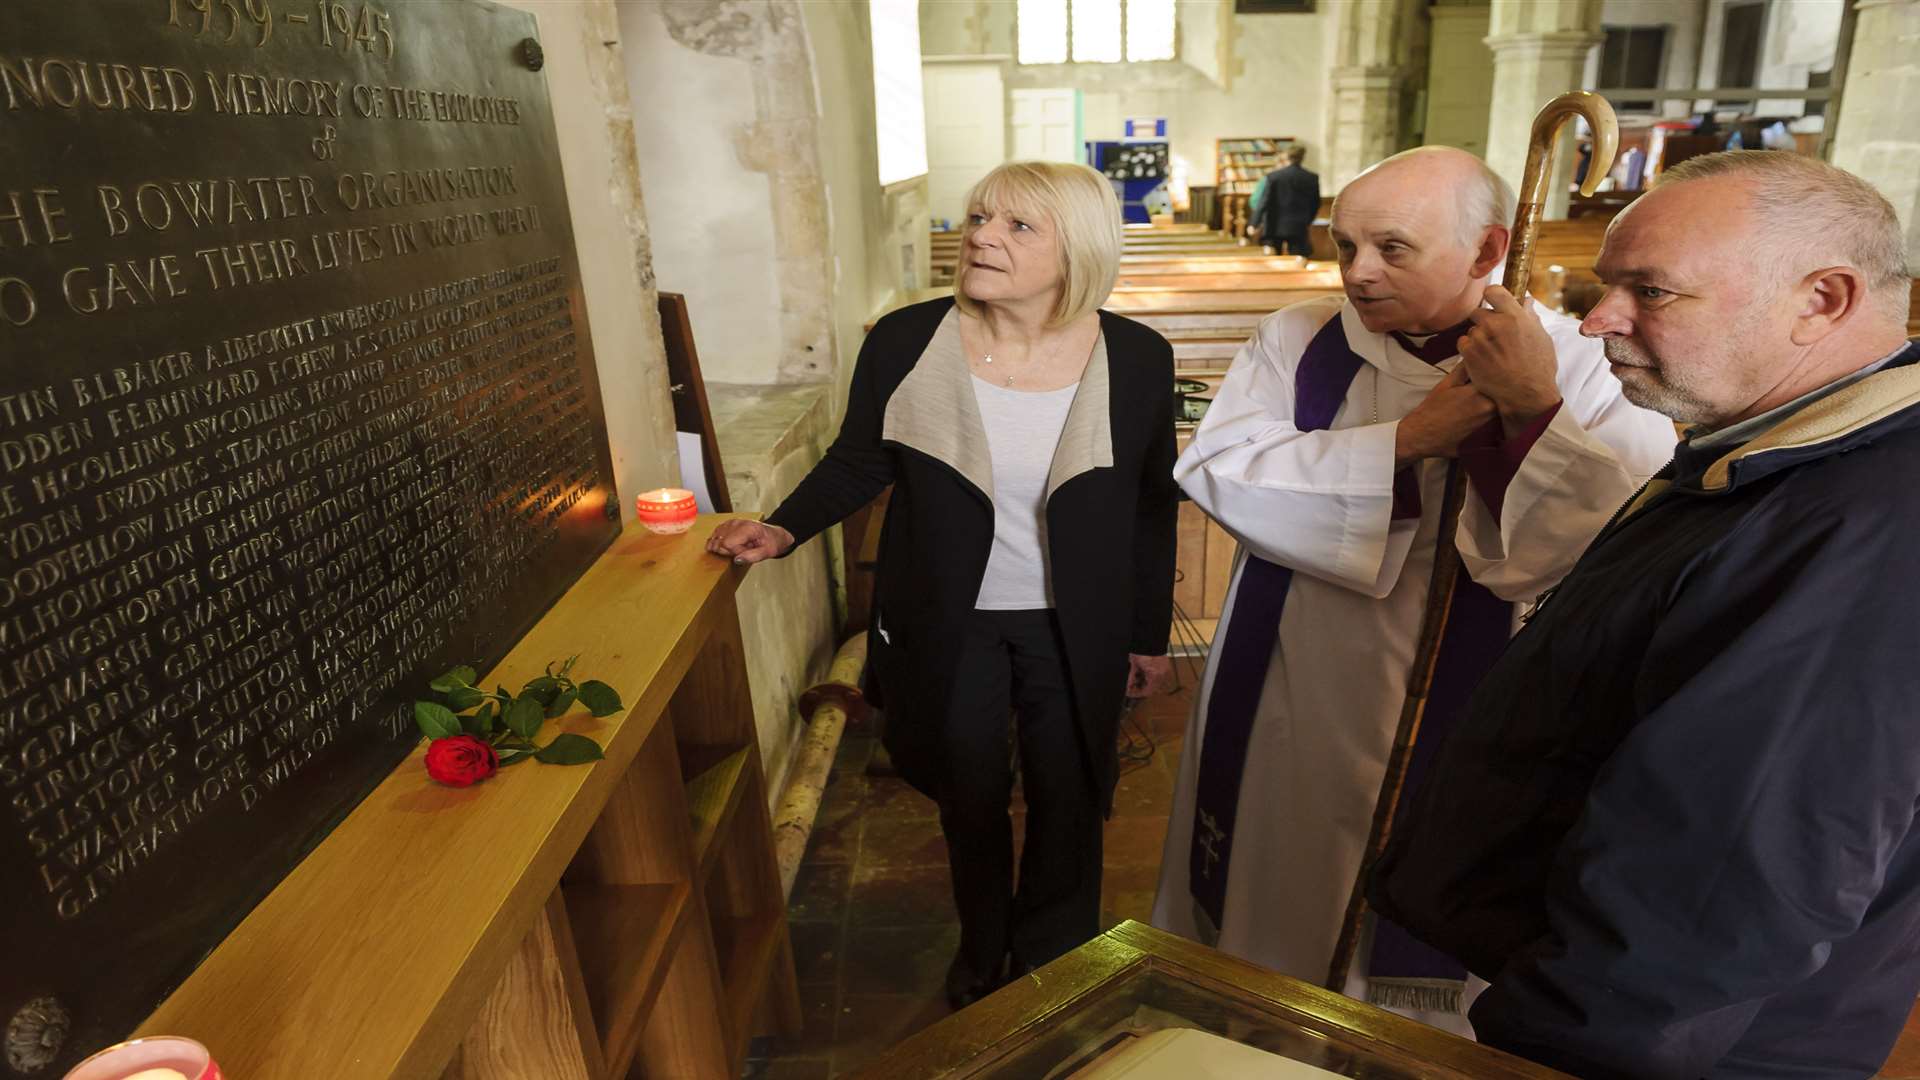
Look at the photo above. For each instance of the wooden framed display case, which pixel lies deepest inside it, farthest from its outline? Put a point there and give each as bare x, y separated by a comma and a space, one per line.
1134, 980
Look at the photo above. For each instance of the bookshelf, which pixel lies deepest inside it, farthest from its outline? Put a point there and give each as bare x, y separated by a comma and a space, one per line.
1239, 163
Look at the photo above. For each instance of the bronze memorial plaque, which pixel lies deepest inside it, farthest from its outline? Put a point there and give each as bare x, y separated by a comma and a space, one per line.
297, 409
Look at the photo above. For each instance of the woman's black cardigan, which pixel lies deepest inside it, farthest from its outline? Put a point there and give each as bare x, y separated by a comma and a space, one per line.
1110, 538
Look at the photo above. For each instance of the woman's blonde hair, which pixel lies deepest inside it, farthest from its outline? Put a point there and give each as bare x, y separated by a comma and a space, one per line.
1080, 205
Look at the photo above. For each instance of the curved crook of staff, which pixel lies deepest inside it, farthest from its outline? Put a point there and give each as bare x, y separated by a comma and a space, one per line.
1534, 185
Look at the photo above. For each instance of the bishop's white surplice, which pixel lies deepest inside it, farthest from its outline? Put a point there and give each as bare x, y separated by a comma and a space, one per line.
1321, 504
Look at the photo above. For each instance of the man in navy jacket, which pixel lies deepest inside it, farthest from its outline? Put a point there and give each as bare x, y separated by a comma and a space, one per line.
1285, 206
1676, 829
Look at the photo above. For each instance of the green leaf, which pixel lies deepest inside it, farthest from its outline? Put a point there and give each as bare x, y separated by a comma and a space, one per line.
599, 698
435, 720
471, 724
569, 749
462, 698
525, 717
488, 713
515, 757
562, 703
543, 689
460, 676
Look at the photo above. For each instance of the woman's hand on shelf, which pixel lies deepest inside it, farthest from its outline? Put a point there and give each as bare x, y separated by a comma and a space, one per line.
749, 542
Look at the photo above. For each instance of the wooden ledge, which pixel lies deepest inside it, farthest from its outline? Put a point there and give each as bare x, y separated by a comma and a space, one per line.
372, 957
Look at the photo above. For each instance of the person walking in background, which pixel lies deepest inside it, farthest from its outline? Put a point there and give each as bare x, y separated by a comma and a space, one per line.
1284, 208
1026, 563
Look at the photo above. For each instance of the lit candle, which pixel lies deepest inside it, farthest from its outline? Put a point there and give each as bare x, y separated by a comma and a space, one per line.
666, 510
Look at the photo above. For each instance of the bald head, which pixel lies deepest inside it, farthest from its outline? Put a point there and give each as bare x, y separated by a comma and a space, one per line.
1417, 235
1475, 194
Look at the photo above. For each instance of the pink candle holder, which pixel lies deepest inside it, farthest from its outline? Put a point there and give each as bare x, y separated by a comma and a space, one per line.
167, 1057
666, 510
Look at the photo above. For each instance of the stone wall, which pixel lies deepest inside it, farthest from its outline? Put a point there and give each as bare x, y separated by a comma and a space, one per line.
1878, 132
754, 124
592, 112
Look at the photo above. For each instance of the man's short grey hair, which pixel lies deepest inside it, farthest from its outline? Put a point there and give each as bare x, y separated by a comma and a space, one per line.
1294, 154
1486, 201
1814, 215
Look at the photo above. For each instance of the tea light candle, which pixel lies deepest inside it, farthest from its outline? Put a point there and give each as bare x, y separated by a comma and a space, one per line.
666, 510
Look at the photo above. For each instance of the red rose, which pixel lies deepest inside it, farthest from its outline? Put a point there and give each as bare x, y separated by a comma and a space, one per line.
461, 760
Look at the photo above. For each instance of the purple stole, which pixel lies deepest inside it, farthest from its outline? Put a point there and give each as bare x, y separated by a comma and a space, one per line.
1477, 627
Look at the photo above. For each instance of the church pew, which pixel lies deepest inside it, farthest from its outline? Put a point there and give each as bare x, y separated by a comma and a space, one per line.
1214, 254
1205, 352
1242, 261
1324, 276
1134, 227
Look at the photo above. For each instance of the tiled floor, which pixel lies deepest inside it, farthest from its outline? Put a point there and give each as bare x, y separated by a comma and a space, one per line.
873, 921
872, 915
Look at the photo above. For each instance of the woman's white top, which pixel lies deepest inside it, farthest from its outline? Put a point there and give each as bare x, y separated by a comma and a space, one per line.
1023, 429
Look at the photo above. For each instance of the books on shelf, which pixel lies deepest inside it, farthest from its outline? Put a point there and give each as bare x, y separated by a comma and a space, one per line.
1241, 162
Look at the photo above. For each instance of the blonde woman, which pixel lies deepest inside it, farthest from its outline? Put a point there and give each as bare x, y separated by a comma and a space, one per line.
1026, 565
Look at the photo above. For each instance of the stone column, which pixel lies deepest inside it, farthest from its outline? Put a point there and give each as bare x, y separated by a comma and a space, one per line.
1364, 126
1878, 130
1540, 51
1366, 109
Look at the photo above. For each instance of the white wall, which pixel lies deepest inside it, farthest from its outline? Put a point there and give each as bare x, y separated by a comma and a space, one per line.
966, 129
716, 241
1257, 75
878, 235
591, 109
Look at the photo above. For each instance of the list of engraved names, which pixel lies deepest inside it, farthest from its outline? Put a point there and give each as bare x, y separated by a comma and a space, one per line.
270, 522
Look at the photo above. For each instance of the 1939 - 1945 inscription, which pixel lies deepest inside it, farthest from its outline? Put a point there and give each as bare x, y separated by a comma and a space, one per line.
297, 406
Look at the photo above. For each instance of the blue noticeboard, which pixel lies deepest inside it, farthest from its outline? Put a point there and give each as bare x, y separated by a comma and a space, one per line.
1136, 169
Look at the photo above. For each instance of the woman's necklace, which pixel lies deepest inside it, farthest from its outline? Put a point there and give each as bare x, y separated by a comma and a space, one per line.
987, 358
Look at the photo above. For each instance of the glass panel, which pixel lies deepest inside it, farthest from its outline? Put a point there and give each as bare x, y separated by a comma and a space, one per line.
1154, 1000
899, 104
1041, 26
1149, 29
1096, 31
1632, 58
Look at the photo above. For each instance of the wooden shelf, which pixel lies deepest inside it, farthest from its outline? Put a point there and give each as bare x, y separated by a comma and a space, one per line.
713, 795
1239, 164
554, 922
748, 948
633, 930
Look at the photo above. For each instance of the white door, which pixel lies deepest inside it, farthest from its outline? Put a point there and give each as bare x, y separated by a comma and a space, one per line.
966, 131
1045, 124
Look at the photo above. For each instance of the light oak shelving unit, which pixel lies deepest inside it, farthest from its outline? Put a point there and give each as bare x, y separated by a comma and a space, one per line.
618, 919
1238, 166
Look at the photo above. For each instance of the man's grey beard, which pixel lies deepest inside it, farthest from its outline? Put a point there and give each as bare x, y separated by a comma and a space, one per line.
1650, 388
